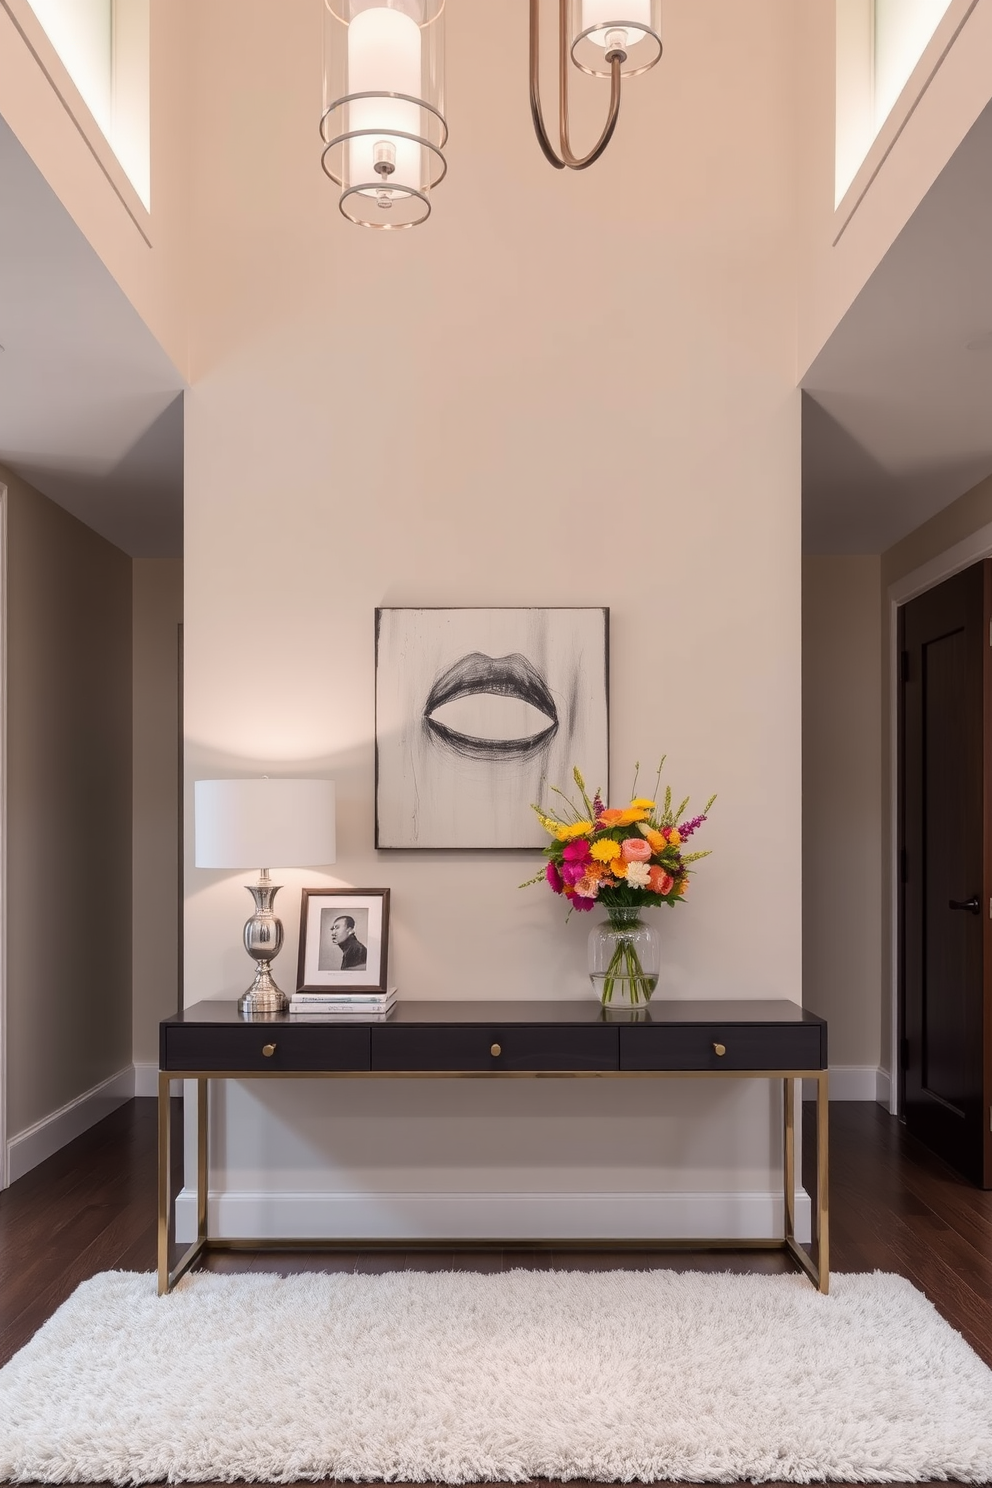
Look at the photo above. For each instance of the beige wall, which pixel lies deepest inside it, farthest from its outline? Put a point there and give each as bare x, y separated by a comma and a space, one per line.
842, 785
952, 525
566, 389
69, 808
157, 613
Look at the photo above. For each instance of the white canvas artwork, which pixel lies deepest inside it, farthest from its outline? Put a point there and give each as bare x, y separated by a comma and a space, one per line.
478, 713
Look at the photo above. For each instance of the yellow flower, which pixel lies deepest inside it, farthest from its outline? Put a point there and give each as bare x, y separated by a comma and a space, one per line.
618, 868
577, 829
605, 851
547, 822
644, 804
674, 837
632, 814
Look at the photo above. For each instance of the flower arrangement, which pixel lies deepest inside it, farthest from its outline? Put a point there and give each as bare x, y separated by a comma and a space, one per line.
626, 859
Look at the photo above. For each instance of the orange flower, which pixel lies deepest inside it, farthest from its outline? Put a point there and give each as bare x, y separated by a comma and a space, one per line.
631, 815
618, 868
660, 882
611, 817
657, 840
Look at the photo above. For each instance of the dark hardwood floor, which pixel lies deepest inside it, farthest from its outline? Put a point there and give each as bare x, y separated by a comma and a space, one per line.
894, 1207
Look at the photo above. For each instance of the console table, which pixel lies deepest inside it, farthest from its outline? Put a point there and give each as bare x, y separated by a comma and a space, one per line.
773, 1040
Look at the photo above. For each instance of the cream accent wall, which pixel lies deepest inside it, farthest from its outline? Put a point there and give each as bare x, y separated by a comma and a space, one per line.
157, 616
565, 389
842, 785
69, 808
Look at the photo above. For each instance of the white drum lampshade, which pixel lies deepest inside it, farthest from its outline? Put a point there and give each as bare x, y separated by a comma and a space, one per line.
264, 824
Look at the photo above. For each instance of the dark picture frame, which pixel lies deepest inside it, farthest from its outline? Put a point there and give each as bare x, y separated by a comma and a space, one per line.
344, 940
480, 711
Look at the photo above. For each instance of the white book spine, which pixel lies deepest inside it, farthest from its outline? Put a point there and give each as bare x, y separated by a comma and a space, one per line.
342, 999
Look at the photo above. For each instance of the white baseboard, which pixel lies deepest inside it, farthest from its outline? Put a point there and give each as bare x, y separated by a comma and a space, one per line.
883, 1088
496, 1216
146, 1079
29, 1148
852, 1082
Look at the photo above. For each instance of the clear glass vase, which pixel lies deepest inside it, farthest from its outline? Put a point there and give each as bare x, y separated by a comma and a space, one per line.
624, 959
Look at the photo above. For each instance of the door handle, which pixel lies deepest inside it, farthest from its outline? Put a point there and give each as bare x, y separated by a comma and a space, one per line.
971, 905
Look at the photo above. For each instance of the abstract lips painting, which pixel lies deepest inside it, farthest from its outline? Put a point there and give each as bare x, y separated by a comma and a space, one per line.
477, 710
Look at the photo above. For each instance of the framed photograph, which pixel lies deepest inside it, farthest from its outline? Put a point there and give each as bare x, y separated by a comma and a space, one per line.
344, 936
479, 712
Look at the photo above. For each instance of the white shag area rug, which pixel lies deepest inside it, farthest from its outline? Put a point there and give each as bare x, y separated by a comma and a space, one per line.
454, 1377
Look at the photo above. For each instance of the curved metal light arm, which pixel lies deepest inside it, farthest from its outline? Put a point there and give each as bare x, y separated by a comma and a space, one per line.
567, 157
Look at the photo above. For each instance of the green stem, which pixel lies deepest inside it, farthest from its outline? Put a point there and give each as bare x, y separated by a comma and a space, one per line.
625, 962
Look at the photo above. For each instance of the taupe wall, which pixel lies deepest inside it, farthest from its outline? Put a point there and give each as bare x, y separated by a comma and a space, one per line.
842, 786
158, 608
69, 808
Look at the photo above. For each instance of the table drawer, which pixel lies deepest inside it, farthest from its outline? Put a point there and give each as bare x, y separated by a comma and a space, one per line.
746, 1046
307, 1047
470, 1047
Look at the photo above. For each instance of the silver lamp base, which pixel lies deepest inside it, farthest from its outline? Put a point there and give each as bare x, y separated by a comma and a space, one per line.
263, 941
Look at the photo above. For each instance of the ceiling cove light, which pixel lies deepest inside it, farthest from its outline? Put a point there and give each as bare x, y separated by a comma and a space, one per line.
383, 122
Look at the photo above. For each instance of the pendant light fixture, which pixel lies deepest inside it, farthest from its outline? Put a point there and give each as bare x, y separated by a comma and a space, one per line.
606, 38
383, 123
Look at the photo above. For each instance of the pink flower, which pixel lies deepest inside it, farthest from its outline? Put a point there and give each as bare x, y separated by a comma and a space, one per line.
554, 878
635, 850
572, 872
576, 852
660, 882
579, 903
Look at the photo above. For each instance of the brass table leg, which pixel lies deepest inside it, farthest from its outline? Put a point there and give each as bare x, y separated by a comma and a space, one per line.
822, 1169
817, 1266
789, 1156
164, 1181
166, 1278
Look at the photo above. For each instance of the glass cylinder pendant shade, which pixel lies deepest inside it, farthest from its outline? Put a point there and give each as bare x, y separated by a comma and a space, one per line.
383, 121
601, 29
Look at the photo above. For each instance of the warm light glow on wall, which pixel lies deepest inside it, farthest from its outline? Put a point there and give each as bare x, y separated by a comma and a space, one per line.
82, 33
104, 47
879, 43
902, 30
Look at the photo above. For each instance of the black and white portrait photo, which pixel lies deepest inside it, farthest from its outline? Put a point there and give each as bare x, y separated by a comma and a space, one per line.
478, 712
344, 939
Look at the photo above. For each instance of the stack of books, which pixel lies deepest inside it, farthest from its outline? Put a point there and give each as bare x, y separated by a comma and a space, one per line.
364, 1005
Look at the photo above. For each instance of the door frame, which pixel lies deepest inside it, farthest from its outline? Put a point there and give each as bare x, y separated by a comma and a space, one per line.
4, 1167
969, 550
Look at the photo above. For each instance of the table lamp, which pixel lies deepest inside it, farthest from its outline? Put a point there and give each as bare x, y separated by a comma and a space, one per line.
281, 823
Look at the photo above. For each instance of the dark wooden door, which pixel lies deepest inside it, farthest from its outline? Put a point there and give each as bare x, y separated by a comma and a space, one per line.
945, 907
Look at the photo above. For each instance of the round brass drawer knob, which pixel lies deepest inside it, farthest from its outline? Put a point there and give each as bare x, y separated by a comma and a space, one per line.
719, 1050
268, 1050
496, 1051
